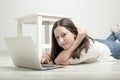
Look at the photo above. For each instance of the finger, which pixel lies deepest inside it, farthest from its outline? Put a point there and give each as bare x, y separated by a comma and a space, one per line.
43, 60
46, 61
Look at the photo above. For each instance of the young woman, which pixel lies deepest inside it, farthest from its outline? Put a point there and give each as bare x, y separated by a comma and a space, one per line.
73, 46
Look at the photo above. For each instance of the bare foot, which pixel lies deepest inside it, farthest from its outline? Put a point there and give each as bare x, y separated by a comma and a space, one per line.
115, 30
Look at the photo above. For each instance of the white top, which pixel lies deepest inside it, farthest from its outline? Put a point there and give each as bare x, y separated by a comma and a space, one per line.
96, 52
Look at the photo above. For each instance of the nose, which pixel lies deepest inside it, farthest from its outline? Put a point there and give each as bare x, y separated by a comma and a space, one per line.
61, 40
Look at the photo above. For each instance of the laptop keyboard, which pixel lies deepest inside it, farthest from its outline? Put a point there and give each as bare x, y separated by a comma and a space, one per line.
51, 65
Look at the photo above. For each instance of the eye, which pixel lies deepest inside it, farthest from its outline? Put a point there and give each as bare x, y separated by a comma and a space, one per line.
63, 35
57, 38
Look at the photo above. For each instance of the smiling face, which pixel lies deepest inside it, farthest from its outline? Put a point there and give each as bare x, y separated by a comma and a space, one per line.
64, 37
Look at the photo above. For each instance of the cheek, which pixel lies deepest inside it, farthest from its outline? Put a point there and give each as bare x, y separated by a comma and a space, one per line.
70, 42
70, 39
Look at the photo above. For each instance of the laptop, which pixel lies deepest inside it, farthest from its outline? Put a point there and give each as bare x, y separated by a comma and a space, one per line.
24, 54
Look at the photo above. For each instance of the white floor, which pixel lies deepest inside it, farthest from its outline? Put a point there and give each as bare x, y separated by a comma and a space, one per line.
95, 71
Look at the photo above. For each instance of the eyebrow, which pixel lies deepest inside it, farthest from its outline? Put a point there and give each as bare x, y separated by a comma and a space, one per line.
60, 33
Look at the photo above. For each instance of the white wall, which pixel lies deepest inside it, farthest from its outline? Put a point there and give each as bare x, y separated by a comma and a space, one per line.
97, 16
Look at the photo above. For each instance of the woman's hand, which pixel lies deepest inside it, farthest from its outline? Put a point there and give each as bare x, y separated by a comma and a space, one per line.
45, 59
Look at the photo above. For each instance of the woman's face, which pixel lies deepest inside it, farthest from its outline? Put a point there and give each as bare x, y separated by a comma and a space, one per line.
64, 37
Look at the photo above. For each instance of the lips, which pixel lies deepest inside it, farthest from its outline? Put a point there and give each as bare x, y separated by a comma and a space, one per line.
63, 44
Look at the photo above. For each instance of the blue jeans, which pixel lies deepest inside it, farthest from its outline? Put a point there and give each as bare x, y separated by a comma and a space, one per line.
112, 44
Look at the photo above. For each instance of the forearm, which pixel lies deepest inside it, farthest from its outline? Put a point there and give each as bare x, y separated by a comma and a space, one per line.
63, 57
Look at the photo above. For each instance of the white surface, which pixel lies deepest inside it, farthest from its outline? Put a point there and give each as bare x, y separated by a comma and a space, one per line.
95, 71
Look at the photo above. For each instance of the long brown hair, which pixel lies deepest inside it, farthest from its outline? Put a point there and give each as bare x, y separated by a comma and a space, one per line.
69, 25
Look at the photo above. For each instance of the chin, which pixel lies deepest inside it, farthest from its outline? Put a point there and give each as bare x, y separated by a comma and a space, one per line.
66, 47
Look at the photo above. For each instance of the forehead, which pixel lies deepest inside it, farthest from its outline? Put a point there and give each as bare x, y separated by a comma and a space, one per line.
60, 29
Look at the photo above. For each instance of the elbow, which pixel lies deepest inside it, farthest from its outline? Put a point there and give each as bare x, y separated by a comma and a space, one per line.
84, 33
56, 61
